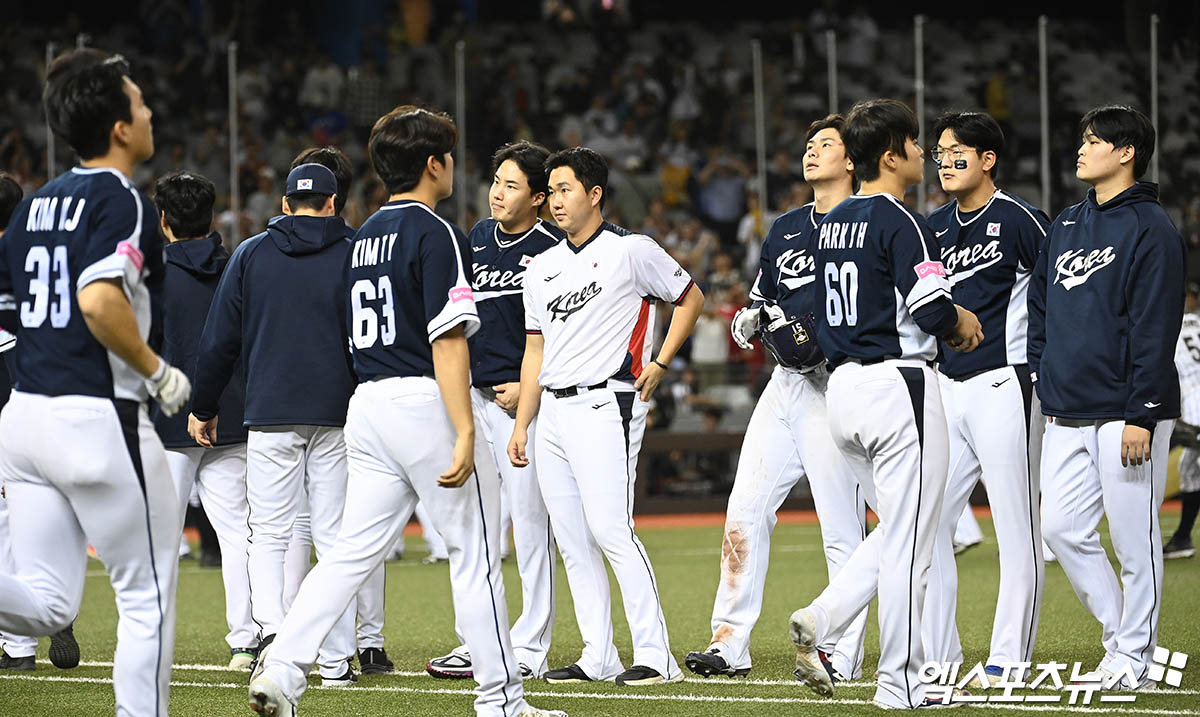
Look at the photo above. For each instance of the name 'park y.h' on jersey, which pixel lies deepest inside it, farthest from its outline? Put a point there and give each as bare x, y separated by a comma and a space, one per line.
83, 226
498, 265
989, 255
408, 286
882, 291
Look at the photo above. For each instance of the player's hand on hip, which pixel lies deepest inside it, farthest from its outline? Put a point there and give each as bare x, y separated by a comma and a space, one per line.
507, 395
203, 432
967, 334
743, 325
516, 448
1135, 446
463, 465
169, 387
652, 374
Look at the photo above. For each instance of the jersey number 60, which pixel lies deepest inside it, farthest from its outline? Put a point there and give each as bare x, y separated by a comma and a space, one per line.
367, 322
841, 293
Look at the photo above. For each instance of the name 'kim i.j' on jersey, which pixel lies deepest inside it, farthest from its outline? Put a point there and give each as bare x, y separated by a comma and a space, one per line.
498, 264
989, 255
882, 290
83, 226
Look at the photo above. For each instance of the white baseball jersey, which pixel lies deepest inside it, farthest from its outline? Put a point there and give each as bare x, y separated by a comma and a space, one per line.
594, 304
1187, 363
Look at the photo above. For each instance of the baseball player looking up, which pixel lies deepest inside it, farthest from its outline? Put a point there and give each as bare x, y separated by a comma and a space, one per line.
194, 260
589, 317
989, 242
885, 301
788, 435
502, 247
79, 268
411, 312
283, 284
1105, 307
1187, 363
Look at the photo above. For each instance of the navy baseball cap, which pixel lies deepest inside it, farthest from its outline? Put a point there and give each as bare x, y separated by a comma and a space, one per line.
311, 178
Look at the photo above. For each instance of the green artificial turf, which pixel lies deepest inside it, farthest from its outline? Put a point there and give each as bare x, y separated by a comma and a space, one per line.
686, 560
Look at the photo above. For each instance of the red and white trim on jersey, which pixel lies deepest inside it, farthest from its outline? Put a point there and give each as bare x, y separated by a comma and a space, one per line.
684, 293
639, 347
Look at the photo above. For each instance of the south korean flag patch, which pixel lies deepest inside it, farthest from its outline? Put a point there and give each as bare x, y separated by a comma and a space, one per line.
993, 229
526, 260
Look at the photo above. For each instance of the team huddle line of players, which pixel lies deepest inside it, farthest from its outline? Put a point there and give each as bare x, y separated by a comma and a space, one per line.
916, 357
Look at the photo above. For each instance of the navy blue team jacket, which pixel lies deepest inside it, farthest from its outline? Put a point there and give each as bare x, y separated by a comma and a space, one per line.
883, 292
498, 263
280, 309
193, 269
1105, 307
989, 255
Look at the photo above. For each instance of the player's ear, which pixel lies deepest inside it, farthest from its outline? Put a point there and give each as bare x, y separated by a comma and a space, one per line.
1127, 154
596, 194
330, 205
539, 199
283, 206
988, 160
162, 222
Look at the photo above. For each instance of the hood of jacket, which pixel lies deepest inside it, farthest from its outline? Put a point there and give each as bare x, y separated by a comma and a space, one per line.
202, 257
1138, 193
297, 235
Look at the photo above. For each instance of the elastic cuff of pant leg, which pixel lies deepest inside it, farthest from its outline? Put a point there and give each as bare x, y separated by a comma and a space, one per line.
820, 622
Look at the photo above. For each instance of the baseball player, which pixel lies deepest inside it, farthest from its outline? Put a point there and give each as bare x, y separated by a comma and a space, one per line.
194, 260
411, 311
885, 302
283, 284
788, 434
589, 313
1187, 363
989, 241
502, 247
79, 268
1105, 307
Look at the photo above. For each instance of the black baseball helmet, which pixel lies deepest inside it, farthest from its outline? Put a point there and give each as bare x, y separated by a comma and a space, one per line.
791, 340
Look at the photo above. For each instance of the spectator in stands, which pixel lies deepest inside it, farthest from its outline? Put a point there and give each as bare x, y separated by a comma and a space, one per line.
721, 194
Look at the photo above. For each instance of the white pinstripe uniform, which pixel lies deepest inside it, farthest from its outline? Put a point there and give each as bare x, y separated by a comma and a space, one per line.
1187, 362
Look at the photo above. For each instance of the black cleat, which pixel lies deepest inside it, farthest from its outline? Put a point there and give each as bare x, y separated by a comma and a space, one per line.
8, 662
710, 662
1179, 546
64, 650
374, 661
567, 675
640, 676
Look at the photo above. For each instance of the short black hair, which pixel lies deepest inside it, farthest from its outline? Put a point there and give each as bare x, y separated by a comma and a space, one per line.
589, 166
308, 200
832, 121
403, 140
977, 130
872, 128
1123, 126
10, 196
336, 161
186, 201
530, 158
85, 96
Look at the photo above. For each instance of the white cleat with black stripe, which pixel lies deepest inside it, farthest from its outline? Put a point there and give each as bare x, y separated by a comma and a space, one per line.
809, 668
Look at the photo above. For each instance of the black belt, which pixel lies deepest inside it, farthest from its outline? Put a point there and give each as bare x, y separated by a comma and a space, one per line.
574, 390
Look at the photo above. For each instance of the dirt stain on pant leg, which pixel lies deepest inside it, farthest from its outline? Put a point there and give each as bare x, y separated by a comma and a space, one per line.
733, 556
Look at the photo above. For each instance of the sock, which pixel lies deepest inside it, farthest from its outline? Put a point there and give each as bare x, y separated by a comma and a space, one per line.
1191, 505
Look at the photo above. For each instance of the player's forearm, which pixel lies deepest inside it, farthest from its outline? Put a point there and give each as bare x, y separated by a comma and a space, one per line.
530, 398
110, 318
683, 320
452, 369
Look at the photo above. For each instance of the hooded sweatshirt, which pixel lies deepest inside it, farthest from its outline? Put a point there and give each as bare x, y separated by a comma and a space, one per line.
281, 310
1105, 307
193, 269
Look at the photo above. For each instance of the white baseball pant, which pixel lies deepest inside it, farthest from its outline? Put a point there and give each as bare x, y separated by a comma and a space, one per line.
389, 472
1082, 480
80, 469
283, 463
967, 531
787, 439
586, 457
887, 420
219, 475
13, 645
995, 428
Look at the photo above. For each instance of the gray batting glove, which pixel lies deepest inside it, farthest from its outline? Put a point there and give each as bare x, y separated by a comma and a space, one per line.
170, 387
743, 325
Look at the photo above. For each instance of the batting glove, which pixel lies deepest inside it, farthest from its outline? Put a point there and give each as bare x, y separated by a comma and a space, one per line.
775, 316
170, 387
743, 325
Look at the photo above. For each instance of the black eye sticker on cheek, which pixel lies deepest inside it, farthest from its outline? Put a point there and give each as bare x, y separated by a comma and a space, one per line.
960, 164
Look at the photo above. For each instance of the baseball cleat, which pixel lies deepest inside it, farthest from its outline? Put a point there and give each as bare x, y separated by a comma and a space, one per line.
809, 668
834, 677
7, 662
531, 711
431, 560
241, 658
960, 548
268, 700
931, 702
1179, 546
374, 661
64, 650
640, 676
260, 659
994, 674
567, 675
527, 672
710, 662
345, 679
454, 666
